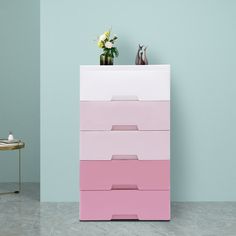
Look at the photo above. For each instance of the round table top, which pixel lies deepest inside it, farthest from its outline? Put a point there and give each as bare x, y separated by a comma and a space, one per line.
11, 146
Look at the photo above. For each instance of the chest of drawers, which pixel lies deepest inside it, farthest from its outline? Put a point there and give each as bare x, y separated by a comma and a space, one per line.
125, 142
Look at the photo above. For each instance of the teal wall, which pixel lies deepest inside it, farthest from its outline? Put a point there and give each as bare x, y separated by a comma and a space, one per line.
196, 37
19, 86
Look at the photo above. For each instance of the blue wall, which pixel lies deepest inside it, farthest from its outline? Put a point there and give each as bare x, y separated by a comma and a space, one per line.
196, 37
19, 86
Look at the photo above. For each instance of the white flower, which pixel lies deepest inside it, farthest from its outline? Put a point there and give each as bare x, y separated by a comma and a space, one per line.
108, 45
102, 37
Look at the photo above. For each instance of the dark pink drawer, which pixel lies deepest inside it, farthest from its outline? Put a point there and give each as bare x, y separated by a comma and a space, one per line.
141, 115
107, 145
125, 174
124, 204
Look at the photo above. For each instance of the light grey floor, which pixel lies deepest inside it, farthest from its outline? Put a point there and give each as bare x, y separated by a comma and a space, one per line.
24, 215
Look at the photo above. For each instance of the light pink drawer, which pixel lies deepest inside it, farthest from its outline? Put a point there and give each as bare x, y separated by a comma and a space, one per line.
141, 145
123, 174
141, 115
124, 204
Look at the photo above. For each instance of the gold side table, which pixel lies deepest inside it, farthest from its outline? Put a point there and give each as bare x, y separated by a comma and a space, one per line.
5, 146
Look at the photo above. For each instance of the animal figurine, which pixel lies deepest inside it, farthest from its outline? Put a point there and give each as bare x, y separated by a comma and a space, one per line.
145, 56
141, 57
137, 60
141, 61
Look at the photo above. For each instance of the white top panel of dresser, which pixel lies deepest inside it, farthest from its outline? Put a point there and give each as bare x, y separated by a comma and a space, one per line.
106, 83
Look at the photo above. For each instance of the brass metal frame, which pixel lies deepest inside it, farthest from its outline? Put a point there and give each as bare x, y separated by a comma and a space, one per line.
18, 146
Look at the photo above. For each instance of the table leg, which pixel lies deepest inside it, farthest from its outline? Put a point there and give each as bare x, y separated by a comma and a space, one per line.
19, 172
19, 180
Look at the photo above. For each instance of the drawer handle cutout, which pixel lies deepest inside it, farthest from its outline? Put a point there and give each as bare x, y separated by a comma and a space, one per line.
124, 128
124, 98
124, 157
125, 217
124, 187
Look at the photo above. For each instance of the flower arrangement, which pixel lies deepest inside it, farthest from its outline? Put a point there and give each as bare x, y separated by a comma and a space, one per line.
109, 51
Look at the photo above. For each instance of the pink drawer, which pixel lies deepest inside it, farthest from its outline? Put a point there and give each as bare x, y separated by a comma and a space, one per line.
124, 204
142, 115
123, 174
141, 145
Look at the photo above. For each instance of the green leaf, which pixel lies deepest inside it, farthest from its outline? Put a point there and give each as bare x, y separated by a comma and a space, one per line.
116, 52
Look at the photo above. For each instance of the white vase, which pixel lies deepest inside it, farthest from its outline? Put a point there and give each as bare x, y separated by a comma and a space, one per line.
10, 137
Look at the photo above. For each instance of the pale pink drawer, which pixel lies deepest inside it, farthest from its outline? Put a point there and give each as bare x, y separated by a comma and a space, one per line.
141, 115
141, 145
124, 204
123, 174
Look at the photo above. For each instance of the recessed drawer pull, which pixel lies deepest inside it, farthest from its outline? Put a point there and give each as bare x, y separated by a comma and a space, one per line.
124, 157
125, 217
124, 127
124, 187
124, 98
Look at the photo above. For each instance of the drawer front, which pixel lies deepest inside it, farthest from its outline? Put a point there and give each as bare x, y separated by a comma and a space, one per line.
134, 82
124, 204
154, 115
110, 145
123, 174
